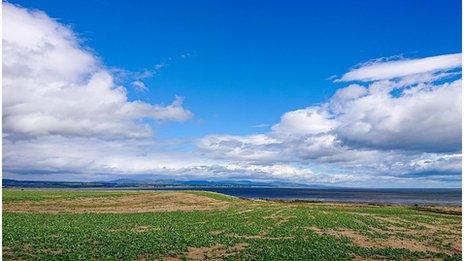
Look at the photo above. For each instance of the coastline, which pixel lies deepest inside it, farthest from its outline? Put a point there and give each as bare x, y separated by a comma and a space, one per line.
451, 208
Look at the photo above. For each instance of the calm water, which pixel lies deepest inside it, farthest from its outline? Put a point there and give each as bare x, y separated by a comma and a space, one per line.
382, 196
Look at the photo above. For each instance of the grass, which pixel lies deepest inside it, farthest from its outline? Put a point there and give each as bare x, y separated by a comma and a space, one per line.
232, 229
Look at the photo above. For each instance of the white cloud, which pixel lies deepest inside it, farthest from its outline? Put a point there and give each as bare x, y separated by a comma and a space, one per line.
424, 118
355, 123
387, 128
93, 158
253, 147
261, 125
308, 121
139, 85
381, 69
53, 85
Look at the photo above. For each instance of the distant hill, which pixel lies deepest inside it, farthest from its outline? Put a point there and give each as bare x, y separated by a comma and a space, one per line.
11, 183
121, 183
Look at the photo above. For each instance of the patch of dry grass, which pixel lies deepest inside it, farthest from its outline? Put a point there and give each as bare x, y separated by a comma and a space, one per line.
131, 203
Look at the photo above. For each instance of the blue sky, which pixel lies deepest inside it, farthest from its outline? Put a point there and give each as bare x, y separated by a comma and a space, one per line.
243, 65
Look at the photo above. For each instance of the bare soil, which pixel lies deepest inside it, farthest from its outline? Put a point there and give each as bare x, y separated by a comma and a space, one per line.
216, 252
393, 240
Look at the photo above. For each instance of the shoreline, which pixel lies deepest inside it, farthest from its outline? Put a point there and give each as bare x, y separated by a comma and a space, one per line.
437, 206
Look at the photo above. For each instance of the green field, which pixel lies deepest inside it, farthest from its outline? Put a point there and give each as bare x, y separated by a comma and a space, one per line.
137, 225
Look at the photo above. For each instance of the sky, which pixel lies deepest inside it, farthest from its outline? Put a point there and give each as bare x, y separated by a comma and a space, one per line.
365, 94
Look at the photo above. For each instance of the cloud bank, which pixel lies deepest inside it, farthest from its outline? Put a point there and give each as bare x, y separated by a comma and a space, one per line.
53, 85
385, 125
66, 118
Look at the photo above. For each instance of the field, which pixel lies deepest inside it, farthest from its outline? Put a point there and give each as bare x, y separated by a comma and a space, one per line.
138, 225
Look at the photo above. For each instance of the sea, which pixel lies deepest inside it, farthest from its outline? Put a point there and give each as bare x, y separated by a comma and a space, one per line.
388, 196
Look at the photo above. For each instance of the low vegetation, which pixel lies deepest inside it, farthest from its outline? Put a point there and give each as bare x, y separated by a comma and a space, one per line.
138, 225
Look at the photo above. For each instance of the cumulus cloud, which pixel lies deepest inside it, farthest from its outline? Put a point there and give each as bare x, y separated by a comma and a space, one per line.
309, 121
390, 69
393, 127
54, 85
423, 118
355, 122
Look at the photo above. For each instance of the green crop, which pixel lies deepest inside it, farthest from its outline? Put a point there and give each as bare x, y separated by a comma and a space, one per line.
267, 230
